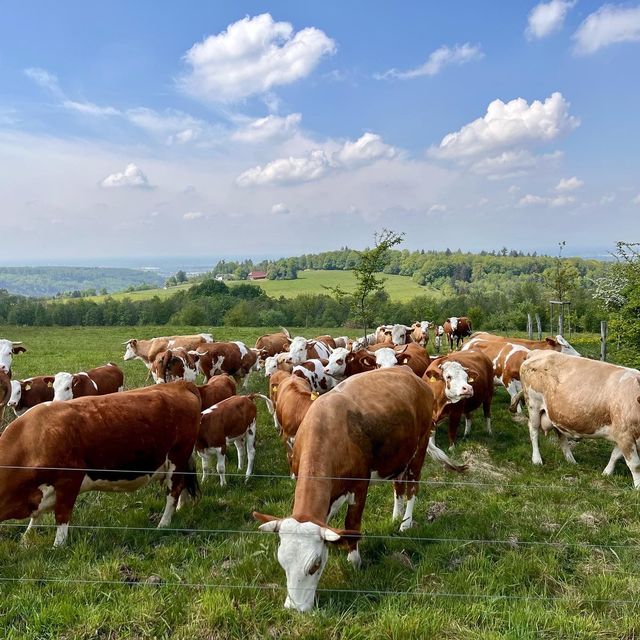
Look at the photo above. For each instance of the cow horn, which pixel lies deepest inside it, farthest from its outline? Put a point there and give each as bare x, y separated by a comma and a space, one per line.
15, 344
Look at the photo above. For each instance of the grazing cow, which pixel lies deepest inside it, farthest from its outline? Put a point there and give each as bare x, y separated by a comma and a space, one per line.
174, 364
147, 350
273, 343
280, 362
348, 437
302, 349
217, 389
108, 443
292, 396
27, 393
232, 358
412, 354
8, 349
461, 382
582, 398
96, 382
508, 354
344, 363
438, 332
5, 391
231, 420
458, 328
313, 371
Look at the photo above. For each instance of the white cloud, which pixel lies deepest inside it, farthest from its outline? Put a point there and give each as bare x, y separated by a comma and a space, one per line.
636, 200
132, 176
547, 17
549, 201
193, 215
569, 184
317, 163
251, 57
44, 79
271, 126
89, 108
437, 208
437, 60
367, 148
509, 125
608, 198
173, 126
608, 25
512, 164
280, 209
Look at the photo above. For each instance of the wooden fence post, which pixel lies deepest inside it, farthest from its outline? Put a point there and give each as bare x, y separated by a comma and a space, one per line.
561, 324
603, 340
539, 325
529, 326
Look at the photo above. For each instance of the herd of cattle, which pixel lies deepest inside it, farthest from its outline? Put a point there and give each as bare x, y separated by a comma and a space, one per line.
347, 411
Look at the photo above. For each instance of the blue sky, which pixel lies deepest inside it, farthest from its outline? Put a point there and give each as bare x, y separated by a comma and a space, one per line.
278, 128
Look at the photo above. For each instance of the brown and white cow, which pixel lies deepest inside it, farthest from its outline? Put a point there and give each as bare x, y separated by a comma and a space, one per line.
147, 350
174, 364
217, 389
313, 371
438, 332
458, 328
508, 354
327, 340
117, 442
273, 343
8, 349
420, 332
232, 358
344, 363
461, 382
302, 349
96, 382
411, 354
5, 391
583, 398
347, 437
279, 362
30, 392
231, 420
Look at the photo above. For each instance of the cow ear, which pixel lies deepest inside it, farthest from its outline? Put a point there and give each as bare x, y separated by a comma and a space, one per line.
369, 361
48, 380
433, 375
270, 524
17, 350
339, 537
472, 375
551, 342
403, 358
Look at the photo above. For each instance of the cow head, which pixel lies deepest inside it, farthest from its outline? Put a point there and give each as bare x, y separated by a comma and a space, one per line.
16, 394
302, 553
131, 350
399, 334
337, 364
456, 379
8, 349
385, 357
298, 350
62, 386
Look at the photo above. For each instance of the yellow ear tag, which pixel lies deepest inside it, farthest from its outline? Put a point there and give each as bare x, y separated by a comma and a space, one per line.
49, 384
27, 387
314, 396
432, 379
472, 379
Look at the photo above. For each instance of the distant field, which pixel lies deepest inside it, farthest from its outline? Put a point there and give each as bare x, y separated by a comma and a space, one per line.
400, 288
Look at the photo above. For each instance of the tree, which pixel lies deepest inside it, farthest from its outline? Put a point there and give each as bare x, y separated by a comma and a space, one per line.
362, 302
562, 277
181, 276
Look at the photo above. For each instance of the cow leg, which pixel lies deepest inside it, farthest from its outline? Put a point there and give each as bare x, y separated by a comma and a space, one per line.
616, 454
169, 510
566, 449
630, 452
412, 483
353, 521
66, 493
245, 382
205, 456
534, 432
454, 423
398, 500
221, 464
251, 449
240, 446
513, 388
467, 424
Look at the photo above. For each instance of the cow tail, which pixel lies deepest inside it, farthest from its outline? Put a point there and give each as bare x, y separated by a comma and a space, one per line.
440, 456
517, 399
191, 478
270, 407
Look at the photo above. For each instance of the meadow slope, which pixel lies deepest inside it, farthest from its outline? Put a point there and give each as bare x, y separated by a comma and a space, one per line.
505, 551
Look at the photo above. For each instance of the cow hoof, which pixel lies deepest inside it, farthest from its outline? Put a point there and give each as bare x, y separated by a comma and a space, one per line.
354, 558
607, 472
537, 462
406, 524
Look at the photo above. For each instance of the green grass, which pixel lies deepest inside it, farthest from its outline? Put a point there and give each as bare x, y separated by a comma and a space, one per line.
504, 587
400, 288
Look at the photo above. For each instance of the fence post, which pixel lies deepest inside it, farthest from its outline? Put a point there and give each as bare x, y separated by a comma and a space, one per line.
539, 325
529, 326
561, 324
603, 340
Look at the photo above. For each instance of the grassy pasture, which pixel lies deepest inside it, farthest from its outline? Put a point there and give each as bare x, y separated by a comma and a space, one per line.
505, 551
400, 288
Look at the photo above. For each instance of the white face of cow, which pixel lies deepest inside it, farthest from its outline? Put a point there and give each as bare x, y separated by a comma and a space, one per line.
337, 363
298, 350
303, 555
6, 354
399, 334
456, 381
270, 366
130, 352
385, 358
16, 393
566, 347
62, 386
